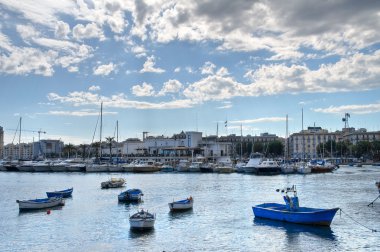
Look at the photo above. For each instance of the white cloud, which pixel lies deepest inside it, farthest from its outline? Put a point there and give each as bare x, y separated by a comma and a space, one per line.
259, 120
79, 113
88, 31
177, 69
94, 88
105, 69
226, 105
207, 68
145, 89
62, 30
149, 66
171, 86
352, 109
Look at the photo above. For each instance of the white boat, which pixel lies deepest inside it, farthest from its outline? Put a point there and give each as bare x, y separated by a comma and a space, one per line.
183, 165
267, 167
58, 166
113, 183
40, 203
76, 167
26, 166
115, 168
303, 168
182, 205
41, 166
142, 220
224, 166
254, 160
146, 166
239, 167
96, 168
288, 168
194, 167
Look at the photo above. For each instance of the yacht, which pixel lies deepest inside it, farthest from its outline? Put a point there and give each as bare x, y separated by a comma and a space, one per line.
254, 160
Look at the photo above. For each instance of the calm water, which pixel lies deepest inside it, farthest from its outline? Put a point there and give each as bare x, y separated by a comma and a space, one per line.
222, 218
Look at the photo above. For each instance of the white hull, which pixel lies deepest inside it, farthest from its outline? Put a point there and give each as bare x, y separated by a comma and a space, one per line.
178, 207
303, 170
96, 168
30, 205
115, 168
141, 224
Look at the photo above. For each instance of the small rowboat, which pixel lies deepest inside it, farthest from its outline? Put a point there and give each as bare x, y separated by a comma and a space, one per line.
291, 212
142, 220
63, 193
113, 183
40, 203
130, 195
182, 205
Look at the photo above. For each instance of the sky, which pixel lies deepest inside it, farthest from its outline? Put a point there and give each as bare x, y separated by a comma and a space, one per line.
169, 66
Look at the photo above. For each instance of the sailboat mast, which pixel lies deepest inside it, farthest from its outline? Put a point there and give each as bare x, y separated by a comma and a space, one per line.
286, 140
117, 140
19, 141
241, 141
101, 125
303, 140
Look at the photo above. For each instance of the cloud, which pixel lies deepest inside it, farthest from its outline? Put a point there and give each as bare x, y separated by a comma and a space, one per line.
149, 66
80, 113
171, 86
145, 89
259, 120
352, 109
88, 31
94, 88
62, 30
227, 105
208, 68
120, 100
177, 69
105, 69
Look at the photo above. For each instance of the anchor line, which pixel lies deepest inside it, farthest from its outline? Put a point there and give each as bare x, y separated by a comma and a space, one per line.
341, 211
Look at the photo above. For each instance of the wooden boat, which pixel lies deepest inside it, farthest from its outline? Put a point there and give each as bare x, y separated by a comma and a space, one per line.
182, 205
321, 166
63, 193
142, 220
113, 183
130, 195
40, 203
292, 212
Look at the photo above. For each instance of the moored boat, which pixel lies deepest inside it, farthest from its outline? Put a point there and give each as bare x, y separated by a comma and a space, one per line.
142, 220
12, 165
182, 205
41, 166
292, 212
113, 183
115, 168
167, 168
26, 166
207, 167
253, 161
130, 195
303, 168
146, 166
58, 166
40, 203
183, 165
63, 193
96, 168
267, 167
321, 166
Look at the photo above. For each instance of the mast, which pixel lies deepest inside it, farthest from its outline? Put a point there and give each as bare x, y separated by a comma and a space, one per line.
286, 139
101, 125
303, 140
117, 141
241, 142
19, 141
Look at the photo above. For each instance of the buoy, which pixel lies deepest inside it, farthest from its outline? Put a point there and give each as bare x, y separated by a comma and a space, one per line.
48, 211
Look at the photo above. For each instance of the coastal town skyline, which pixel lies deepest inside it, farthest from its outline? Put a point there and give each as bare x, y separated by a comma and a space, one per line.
169, 66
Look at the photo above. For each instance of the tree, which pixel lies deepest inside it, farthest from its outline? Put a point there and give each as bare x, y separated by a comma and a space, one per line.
109, 141
275, 148
96, 146
82, 148
258, 147
68, 149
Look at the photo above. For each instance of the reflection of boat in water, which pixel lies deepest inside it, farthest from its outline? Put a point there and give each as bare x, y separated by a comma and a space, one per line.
293, 229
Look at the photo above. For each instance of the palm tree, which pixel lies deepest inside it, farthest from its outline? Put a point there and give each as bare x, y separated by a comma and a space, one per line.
68, 149
83, 148
109, 141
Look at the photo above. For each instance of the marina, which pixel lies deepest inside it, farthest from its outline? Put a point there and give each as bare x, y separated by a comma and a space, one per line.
221, 219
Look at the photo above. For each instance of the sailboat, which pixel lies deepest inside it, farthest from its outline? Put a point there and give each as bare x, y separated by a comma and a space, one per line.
98, 166
116, 167
287, 167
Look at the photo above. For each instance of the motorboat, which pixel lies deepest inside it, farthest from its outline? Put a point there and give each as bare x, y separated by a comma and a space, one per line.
40, 203
130, 195
41, 166
303, 168
195, 166
267, 167
181, 205
63, 193
12, 166
113, 183
254, 160
207, 167
292, 212
142, 220
26, 166
183, 165
239, 167
146, 166
76, 167
58, 166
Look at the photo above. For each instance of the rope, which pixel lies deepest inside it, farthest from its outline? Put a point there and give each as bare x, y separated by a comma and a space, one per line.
341, 211
373, 201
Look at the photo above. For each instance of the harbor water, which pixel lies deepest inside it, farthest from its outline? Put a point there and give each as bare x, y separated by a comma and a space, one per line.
221, 220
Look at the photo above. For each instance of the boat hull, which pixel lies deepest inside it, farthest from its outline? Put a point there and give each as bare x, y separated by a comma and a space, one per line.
39, 203
307, 216
64, 193
141, 224
181, 205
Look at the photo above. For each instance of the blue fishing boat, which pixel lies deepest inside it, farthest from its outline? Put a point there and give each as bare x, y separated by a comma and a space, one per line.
63, 193
292, 212
40, 203
130, 195
182, 205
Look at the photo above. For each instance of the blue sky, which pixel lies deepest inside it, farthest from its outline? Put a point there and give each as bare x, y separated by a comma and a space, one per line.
168, 66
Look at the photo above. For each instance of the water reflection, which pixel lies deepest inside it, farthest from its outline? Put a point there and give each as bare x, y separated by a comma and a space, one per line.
140, 233
179, 214
39, 211
293, 229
